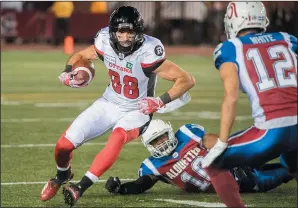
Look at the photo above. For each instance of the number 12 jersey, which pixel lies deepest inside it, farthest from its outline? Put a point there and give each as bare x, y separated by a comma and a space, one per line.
267, 69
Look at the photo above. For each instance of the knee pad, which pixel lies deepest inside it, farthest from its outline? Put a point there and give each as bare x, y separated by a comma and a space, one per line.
120, 134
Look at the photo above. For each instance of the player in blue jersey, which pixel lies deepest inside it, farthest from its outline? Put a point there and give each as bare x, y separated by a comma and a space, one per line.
263, 66
176, 159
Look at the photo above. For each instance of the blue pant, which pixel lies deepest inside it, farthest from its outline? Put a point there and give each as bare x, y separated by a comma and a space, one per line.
254, 147
271, 176
262, 179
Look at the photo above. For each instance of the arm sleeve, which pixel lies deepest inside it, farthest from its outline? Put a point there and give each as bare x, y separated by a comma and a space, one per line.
225, 52
138, 186
190, 132
293, 41
98, 44
153, 56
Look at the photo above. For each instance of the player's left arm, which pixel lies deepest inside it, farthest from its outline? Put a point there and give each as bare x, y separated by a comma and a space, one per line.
183, 81
142, 184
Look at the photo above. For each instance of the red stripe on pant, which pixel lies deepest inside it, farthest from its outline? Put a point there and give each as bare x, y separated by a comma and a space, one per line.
109, 154
249, 136
63, 151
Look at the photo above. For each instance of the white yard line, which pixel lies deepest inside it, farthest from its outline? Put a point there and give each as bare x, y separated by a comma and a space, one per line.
43, 182
168, 116
85, 103
192, 203
53, 145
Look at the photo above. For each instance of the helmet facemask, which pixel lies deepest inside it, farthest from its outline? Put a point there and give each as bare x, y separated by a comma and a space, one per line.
126, 20
128, 45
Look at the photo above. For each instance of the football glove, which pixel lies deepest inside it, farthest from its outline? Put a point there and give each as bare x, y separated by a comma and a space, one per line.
213, 153
67, 78
150, 105
113, 185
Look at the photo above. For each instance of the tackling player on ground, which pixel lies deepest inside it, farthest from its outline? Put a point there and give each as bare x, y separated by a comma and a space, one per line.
264, 66
133, 60
176, 160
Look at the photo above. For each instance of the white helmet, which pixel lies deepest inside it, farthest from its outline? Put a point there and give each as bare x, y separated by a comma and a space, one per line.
155, 129
244, 15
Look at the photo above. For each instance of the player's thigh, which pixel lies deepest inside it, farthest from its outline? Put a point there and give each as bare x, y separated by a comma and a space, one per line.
94, 121
134, 120
255, 147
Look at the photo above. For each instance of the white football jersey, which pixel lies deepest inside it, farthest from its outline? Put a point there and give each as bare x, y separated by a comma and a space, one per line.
131, 77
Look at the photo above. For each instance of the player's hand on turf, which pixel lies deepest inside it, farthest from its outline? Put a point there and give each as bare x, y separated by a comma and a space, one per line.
113, 185
67, 78
213, 153
150, 105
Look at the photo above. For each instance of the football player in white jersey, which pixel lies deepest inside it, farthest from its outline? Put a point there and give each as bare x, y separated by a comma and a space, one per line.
133, 60
264, 66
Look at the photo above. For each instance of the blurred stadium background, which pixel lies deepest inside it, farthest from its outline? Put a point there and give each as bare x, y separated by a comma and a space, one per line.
36, 108
175, 23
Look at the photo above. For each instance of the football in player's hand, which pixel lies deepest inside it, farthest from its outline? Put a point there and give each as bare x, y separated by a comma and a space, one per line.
85, 69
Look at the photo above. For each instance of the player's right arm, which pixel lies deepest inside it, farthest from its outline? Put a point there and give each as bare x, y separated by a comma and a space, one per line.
67, 75
90, 53
87, 53
225, 61
142, 184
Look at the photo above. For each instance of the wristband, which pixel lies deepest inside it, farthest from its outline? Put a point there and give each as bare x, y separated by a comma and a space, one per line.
220, 144
165, 98
68, 68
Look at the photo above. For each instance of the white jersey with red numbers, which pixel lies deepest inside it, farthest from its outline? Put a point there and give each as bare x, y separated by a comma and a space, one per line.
267, 68
131, 77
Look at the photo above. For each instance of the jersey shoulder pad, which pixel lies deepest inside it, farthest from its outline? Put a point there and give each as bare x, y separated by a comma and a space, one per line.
153, 51
291, 40
224, 52
196, 129
148, 168
101, 37
191, 131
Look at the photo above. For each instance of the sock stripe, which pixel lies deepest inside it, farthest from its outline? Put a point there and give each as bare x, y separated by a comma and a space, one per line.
91, 176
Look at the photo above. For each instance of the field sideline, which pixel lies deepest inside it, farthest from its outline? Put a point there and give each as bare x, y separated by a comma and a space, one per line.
36, 109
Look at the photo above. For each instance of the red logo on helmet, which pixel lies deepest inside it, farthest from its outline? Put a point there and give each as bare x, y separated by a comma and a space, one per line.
232, 11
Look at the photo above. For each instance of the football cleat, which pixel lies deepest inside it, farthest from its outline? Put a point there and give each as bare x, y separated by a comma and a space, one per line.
71, 194
51, 188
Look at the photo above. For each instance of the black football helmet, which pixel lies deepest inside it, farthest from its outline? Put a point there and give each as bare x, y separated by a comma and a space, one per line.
126, 18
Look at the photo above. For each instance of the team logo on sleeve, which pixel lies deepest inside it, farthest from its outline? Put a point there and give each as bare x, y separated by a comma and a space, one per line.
158, 50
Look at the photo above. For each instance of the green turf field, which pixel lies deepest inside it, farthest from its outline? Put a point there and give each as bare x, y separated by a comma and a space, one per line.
36, 108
